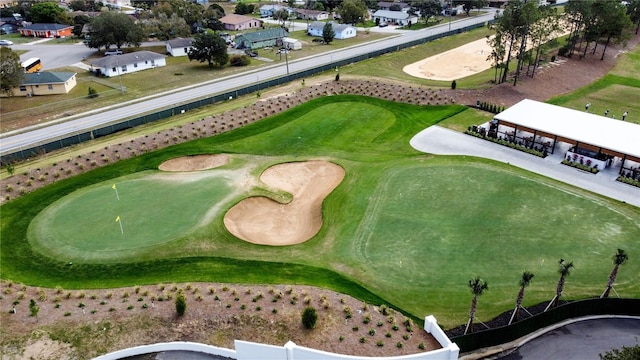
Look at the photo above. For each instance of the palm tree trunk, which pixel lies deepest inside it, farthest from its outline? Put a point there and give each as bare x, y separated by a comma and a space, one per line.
519, 299
472, 313
559, 290
612, 280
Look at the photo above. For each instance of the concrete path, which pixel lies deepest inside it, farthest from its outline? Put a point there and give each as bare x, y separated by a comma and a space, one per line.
440, 141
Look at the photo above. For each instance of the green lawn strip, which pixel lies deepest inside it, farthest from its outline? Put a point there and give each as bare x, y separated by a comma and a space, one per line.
612, 92
461, 121
446, 218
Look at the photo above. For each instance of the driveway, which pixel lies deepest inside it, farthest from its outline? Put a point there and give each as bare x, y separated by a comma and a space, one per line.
440, 141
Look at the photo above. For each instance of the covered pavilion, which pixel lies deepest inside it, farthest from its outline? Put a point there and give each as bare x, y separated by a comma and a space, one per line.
596, 139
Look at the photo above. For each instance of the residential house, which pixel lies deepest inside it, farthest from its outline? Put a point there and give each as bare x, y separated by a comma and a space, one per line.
179, 46
46, 30
45, 83
394, 6
315, 15
394, 17
260, 39
269, 10
342, 31
240, 22
127, 63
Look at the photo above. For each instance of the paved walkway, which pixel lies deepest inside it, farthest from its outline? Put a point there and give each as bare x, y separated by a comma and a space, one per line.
440, 141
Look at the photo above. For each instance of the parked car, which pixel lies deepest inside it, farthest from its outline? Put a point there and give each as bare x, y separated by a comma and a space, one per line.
113, 52
4, 42
251, 53
384, 24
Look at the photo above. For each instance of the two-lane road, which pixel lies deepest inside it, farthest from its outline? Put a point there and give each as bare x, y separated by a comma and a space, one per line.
10, 143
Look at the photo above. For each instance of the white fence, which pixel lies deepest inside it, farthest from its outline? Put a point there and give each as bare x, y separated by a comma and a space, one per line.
246, 350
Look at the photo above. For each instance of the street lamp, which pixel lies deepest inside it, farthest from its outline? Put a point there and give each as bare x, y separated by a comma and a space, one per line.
450, 14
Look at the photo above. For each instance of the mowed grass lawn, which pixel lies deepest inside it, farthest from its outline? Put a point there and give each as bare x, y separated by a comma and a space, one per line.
403, 228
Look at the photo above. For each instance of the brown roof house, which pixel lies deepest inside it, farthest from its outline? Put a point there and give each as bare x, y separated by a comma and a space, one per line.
240, 22
45, 83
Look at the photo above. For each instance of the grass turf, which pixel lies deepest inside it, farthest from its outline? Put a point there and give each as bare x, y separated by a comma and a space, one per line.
403, 228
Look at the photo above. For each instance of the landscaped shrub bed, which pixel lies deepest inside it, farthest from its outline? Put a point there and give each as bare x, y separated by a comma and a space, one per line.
510, 144
628, 180
587, 168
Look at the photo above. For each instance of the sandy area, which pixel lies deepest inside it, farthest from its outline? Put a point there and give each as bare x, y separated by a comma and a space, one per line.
454, 64
194, 163
260, 220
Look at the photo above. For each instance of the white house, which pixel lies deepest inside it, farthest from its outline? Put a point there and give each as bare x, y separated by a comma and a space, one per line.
127, 63
179, 46
307, 14
291, 43
343, 31
269, 10
394, 17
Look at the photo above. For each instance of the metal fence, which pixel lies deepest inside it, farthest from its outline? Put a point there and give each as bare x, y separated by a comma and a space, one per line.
575, 309
166, 113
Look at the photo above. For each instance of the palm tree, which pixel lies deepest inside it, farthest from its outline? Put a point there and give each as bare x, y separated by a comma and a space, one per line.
477, 286
618, 259
525, 280
564, 269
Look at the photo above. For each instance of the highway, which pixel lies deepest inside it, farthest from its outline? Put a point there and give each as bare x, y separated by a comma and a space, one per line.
28, 138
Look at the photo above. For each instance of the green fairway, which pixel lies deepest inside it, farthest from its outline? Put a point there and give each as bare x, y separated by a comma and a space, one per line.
403, 228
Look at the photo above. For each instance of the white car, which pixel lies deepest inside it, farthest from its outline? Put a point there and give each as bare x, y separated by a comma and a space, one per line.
113, 52
6, 42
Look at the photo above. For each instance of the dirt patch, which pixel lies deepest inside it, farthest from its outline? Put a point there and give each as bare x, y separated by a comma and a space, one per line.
194, 163
260, 220
454, 64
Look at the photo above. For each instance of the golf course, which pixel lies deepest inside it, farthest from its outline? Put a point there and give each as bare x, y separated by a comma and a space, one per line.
401, 227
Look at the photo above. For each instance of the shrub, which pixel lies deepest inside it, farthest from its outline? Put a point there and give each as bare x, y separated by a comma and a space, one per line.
181, 304
380, 343
453, 85
239, 60
363, 340
399, 345
372, 332
309, 317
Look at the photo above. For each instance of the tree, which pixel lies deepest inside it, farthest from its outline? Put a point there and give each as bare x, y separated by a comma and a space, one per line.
564, 269
618, 259
45, 12
477, 286
352, 11
181, 304
210, 47
214, 11
11, 73
626, 353
426, 8
78, 5
525, 280
614, 20
281, 15
33, 308
114, 28
327, 33
243, 8
633, 9
467, 5
166, 28
309, 318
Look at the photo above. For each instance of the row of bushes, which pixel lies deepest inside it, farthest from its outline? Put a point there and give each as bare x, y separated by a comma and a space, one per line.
492, 108
628, 180
593, 170
510, 144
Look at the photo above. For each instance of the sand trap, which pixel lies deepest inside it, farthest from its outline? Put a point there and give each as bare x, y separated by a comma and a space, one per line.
194, 163
454, 64
260, 220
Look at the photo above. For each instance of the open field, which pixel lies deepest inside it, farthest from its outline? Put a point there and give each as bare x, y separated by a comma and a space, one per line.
392, 226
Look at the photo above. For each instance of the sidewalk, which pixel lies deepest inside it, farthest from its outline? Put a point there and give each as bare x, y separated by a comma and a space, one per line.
440, 141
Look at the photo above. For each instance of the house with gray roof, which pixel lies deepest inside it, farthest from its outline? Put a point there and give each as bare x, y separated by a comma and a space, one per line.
270, 9
343, 31
394, 17
46, 30
179, 46
117, 65
260, 39
45, 83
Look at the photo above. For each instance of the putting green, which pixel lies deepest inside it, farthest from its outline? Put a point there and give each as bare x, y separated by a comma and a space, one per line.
151, 208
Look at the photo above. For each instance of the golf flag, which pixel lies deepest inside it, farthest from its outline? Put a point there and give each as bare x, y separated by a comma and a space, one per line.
116, 189
120, 223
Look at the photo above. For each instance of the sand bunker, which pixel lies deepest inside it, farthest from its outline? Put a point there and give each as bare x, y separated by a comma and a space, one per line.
454, 64
260, 220
194, 163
